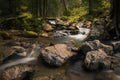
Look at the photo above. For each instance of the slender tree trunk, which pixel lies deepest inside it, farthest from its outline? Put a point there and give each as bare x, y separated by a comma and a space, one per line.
64, 5
90, 6
38, 8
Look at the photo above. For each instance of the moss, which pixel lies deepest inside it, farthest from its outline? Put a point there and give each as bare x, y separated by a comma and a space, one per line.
31, 34
27, 15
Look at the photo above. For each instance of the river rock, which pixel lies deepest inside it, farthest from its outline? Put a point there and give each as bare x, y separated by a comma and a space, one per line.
30, 34
48, 27
116, 46
61, 22
87, 24
16, 72
44, 34
95, 45
115, 61
60, 34
56, 55
96, 59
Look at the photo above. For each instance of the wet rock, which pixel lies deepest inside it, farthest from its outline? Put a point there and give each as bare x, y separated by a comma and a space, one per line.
96, 59
56, 55
87, 24
15, 72
44, 34
94, 45
47, 27
107, 75
72, 28
116, 46
31, 34
61, 22
115, 62
60, 33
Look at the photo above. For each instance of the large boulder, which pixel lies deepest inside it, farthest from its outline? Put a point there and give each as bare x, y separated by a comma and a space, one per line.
96, 59
95, 45
56, 55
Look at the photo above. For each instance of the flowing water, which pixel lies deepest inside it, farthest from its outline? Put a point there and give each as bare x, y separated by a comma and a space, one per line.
16, 62
70, 71
83, 33
30, 57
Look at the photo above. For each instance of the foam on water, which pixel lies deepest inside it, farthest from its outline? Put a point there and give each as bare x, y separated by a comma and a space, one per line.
83, 33
16, 62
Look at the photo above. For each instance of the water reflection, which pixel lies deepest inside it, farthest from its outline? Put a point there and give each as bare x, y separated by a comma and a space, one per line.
77, 72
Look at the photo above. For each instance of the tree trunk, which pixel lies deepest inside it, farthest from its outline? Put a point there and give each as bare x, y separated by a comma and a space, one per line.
90, 6
115, 5
64, 5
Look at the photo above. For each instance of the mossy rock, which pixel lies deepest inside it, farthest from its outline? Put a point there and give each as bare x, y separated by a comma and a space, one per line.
31, 34
4, 35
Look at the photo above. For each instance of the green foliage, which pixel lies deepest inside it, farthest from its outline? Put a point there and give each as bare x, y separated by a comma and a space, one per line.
80, 10
32, 11
27, 15
77, 13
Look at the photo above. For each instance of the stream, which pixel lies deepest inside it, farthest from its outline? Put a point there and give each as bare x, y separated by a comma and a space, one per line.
69, 71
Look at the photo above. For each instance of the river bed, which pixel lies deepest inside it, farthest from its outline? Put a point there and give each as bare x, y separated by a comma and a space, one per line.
70, 71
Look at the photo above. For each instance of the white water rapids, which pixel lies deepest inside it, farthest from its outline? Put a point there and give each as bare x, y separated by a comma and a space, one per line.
83, 33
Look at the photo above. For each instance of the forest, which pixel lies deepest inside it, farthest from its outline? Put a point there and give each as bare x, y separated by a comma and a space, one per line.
59, 39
